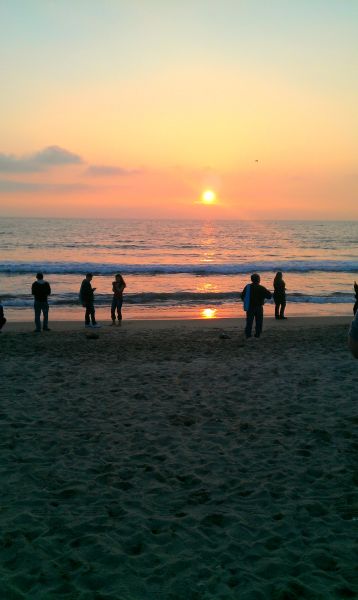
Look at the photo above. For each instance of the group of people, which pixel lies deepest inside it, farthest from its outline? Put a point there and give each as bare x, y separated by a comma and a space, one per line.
87, 300
253, 295
41, 290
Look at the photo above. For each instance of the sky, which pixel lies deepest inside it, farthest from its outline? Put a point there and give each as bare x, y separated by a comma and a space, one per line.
133, 108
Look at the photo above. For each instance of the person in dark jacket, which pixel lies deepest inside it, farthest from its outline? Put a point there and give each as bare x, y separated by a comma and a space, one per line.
279, 296
254, 296
41, 290
2, 317
355, 307
87, 299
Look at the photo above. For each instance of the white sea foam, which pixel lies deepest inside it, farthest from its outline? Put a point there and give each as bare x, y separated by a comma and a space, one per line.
289, 266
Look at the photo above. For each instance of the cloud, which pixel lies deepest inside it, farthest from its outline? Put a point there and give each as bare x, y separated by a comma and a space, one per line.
51, 156
16, 187
108, 171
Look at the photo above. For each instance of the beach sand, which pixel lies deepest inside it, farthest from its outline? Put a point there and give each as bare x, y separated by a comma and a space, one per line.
175, 460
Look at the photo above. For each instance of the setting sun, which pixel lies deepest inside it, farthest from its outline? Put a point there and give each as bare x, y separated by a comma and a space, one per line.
208, 313
208, 197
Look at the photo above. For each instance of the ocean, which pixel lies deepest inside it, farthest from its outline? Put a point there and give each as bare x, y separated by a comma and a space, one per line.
177, 269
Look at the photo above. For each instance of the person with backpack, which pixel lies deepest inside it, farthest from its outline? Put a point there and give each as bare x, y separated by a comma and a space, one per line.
254, 296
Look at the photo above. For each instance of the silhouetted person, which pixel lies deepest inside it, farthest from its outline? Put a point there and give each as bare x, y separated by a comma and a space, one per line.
118, 287
279, 296
2, 317
254, 296
87, 299
41, 290
353, 336
355, 307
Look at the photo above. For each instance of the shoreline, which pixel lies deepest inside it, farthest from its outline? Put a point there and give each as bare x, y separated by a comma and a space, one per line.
270, 323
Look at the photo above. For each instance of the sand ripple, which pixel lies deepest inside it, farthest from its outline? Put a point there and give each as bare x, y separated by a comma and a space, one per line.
179, 464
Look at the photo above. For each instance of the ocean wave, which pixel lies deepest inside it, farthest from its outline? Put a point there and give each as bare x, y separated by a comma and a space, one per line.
288, 266
173, 299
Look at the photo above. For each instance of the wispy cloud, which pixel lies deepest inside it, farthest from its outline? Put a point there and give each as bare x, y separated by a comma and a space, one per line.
51, 156
8, 187
109, 171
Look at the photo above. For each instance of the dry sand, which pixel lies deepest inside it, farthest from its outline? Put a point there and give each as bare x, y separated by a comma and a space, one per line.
167, 461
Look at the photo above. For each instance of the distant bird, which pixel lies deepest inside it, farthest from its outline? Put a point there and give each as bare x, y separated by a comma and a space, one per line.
256, 160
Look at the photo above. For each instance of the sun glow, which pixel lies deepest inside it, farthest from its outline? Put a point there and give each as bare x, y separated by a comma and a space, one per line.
208, 197
208, 313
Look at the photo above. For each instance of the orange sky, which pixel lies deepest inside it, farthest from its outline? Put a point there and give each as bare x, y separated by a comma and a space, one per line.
131, 112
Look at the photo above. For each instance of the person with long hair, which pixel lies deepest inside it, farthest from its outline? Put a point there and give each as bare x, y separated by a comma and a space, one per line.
279, 296
118, 286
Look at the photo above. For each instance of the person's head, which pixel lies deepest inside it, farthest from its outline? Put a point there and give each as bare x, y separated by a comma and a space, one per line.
119, 277
255, 278
89, 276
39, 276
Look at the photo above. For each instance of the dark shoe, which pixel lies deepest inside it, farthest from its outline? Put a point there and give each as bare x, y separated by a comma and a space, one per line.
47, 329
37, 330
277, 317
256, 336
283, 318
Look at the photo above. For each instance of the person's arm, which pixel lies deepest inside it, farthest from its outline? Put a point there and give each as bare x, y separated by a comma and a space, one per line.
1, 312
268, 294
48, 289
33, 288
243, 293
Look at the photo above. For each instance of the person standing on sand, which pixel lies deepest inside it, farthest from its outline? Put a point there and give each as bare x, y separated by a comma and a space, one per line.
254, 296
279, 296
353, 336
118, 286
2, 317
41, 290
355, 307
87, 300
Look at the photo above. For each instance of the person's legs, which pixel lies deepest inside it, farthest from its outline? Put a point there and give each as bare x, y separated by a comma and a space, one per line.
2, 322
93, 318
113, 309
37, 308
277, 310
119, 309
282, 310
249, 322
45, 314
259, 317
87, 314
